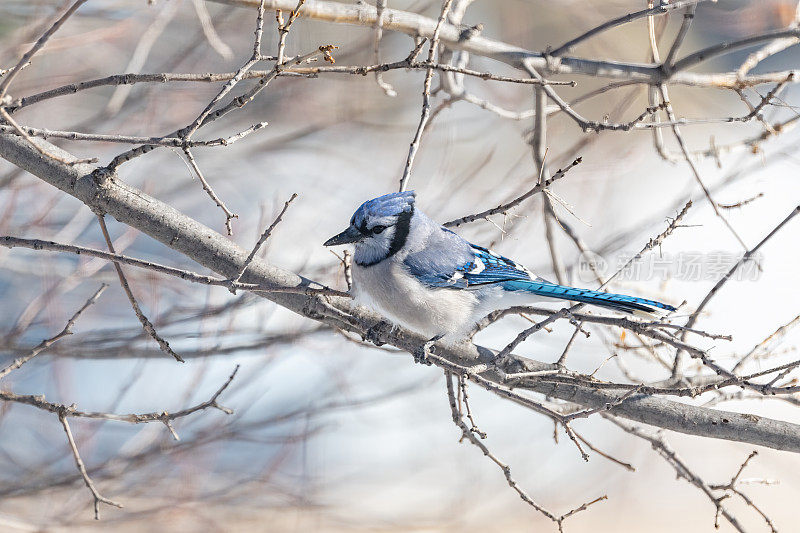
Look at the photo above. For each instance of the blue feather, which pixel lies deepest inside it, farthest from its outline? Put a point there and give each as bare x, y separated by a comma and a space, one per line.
384, 206
485, 268
619, 302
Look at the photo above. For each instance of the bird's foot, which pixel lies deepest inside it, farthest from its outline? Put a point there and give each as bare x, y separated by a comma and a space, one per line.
421, 353
377, 333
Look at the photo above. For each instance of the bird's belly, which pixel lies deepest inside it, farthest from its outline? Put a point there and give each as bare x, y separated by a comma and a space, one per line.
387, 288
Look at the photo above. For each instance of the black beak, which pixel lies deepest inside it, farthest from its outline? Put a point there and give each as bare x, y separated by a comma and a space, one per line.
349, 235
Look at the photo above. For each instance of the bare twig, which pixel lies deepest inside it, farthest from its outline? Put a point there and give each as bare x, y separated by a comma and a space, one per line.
289, 68
186, 275
380, 6
745, 257
63, 412
169, 141
229, 215
653, 243
681, 468
688, 18
262, 240
283, 27
346, 260
21, 132
777, 333
467, 433
255, 58
39, 402
141, 53
504, 208
411, 63
741, 203
235, 103
462, 386
563, 358
627, 466
6, 80
18, 362
730, 488
658, 9
426, 98
695, 171
211, 34
98, 498
146, 324
705, 54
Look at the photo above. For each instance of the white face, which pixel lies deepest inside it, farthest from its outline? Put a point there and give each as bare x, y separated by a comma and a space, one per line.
377, 243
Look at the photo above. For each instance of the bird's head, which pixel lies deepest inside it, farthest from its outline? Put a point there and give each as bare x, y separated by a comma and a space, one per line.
379, 227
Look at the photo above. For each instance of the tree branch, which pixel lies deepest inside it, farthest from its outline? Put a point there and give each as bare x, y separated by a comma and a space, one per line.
166, 224
415, 25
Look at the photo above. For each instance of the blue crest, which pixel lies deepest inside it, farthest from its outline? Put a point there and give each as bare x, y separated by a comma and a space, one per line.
388, 205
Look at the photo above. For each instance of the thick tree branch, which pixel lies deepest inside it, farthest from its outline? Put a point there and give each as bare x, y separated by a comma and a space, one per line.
103, 192
363, 14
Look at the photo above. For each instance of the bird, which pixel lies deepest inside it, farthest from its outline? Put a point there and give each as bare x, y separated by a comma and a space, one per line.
426, 278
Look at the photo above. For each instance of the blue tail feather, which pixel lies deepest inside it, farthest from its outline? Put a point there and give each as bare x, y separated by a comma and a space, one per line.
618, 302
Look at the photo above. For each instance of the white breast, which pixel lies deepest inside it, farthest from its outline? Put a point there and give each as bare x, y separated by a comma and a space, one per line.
392, 291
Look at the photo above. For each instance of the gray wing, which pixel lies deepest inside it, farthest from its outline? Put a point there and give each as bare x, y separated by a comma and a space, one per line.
443, 261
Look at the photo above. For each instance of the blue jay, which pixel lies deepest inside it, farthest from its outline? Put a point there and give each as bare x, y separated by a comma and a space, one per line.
426, 278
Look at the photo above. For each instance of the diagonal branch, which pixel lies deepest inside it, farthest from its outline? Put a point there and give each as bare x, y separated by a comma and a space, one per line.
229, 215
503, 208
7, 78
263, 239
146, 324
18, 362
415, 25
658, 9
185, 235
426, 98
98, 498
466, 433
745, 257
681, 468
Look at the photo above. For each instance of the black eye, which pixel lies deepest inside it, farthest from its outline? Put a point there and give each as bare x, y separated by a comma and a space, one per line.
378, 229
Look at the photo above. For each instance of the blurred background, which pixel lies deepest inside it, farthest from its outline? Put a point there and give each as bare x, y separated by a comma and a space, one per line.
329, 433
